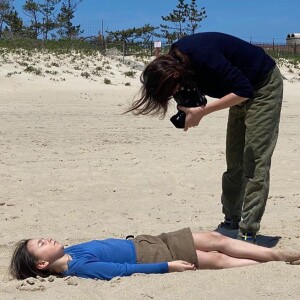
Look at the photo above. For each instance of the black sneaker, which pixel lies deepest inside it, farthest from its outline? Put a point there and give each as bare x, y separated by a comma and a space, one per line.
229, 224
248, 237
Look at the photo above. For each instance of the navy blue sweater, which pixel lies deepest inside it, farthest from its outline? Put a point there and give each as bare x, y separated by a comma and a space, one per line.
225, 64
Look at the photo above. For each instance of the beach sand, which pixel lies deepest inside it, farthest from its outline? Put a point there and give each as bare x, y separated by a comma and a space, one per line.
74, 168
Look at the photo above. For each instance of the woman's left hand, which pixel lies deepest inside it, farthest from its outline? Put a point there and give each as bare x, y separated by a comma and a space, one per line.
193, 116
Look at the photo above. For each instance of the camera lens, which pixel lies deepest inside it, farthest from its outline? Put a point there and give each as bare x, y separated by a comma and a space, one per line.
178, 120
188, 98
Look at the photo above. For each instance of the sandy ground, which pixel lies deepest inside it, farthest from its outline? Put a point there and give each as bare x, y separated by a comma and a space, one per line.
73, 168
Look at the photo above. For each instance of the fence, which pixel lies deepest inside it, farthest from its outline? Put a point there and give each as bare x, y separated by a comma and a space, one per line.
281, 49
126, 49
147, 49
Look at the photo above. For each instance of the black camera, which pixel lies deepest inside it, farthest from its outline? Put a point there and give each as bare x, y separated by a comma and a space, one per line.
186, 98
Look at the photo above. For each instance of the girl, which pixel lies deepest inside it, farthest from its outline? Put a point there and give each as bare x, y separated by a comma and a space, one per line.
168, 252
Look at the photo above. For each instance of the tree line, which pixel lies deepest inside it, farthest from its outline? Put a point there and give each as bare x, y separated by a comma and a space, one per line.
53, 19
47, 19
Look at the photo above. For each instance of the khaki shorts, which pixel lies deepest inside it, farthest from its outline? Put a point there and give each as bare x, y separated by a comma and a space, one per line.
177, 245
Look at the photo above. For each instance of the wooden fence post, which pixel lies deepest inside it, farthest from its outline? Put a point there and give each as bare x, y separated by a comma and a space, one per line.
124, 49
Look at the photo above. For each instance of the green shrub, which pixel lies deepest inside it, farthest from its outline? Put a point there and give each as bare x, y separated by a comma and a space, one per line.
31, 69
130, 74
107, 81
51, 72
85, 74
23, 63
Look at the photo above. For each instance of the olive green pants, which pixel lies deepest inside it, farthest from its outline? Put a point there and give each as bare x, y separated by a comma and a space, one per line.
252, 133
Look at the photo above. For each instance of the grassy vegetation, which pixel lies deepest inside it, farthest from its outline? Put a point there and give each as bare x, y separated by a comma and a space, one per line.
62, 46
130, 74
82, 46
291, 57
34, 70
141, 51
84, 58
107, 81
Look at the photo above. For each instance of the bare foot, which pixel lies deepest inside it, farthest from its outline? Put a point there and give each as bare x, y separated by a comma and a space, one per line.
290, 256
295, 262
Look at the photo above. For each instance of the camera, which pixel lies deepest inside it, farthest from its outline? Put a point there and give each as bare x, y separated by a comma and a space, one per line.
187, 98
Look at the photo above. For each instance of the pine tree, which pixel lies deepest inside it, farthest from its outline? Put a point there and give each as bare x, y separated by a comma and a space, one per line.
31, 9
5, 7
64, 19
177, 18
195, 17
130, 35
47, 9
184, 20
14, 22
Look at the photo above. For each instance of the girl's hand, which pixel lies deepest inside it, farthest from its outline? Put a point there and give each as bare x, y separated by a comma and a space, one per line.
193, 116
180, 266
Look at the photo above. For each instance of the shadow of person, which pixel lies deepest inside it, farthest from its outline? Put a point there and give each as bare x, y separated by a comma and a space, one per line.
267, 240
229, 233
261, 240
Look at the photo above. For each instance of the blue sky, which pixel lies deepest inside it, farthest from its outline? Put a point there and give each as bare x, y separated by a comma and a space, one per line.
259, 20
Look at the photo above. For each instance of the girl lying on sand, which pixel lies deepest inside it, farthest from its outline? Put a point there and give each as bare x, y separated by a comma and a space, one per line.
176, 251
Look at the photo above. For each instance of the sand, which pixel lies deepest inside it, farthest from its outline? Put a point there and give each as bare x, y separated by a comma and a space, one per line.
74, 168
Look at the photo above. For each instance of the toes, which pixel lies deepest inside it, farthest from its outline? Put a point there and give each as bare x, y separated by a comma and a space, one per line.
295, 262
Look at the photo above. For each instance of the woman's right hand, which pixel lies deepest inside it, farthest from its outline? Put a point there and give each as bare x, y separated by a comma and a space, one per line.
180, 266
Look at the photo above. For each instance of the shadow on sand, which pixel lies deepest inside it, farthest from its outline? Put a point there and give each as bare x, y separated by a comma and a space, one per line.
262, 240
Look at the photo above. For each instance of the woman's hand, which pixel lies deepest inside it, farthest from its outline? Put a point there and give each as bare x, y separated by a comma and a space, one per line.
193, 116
180, 266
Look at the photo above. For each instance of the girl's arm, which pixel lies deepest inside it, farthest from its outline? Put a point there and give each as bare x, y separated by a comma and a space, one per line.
107, 271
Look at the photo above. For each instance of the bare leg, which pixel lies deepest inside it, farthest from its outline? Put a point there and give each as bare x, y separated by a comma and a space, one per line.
214, 241
216, 260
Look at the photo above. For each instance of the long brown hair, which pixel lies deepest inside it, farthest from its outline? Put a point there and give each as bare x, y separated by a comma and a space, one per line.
23, 263
159, 81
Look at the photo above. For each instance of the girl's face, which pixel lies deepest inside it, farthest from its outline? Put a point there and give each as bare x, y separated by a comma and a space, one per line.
45, 249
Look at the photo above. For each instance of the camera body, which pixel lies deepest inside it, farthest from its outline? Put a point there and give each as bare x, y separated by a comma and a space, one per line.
187, 98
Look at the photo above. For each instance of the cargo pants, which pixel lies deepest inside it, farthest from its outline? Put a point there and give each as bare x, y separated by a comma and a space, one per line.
252, 132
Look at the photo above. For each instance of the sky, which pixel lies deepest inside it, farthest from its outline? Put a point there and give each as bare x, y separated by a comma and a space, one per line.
251, 20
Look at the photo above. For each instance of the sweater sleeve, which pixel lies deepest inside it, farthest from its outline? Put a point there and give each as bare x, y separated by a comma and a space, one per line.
230, 77
107, 271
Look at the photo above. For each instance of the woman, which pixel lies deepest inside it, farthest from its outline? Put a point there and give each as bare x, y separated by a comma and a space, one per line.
168, 252
246, 80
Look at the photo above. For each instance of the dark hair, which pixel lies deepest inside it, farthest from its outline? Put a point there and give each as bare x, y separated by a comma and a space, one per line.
23, 263
159, 81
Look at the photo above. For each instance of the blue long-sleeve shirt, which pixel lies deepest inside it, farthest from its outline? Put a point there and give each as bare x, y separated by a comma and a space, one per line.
106, 259
225, 64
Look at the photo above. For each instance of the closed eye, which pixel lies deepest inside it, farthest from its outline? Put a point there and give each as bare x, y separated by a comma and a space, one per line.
41, 242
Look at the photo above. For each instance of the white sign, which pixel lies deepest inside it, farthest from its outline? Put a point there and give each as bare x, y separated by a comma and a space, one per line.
157, 44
